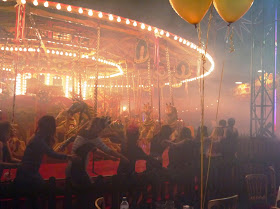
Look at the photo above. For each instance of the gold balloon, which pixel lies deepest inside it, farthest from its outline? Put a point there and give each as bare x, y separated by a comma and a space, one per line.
192, 11
232, 10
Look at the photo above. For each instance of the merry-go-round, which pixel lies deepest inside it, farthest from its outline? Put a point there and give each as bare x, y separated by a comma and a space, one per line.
55, 56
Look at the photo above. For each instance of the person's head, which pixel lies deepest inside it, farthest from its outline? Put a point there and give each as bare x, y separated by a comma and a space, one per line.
166, 131
231, 122
205, 132
47, 127
222, 123
95, 127
132, 132
5, 131
185, 133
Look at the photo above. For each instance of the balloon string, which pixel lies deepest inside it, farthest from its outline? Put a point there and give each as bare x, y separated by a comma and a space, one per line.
202, 88
217, 113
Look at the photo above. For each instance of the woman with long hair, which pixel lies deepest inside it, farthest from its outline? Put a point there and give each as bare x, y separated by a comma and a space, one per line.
40, 144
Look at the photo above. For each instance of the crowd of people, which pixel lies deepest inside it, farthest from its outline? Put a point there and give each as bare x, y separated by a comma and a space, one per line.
88, 139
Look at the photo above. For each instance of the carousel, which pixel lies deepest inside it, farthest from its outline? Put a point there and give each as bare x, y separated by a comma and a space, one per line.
56, 57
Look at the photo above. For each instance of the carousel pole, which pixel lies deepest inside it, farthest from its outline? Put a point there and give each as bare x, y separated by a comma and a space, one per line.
104, 95
150, 82
80, 74
157, 69
133, 89
169, 75
96, 73
127, 89
15, 88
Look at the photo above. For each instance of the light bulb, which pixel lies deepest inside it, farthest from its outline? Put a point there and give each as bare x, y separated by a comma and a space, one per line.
167, 34
58, 6
100, 15
149, 28
23, 1
35, 3
80, 10
127, 21
161, 32
111, 17
46, 4
119, 19
90, 13
69, 8
143, 26
135, 24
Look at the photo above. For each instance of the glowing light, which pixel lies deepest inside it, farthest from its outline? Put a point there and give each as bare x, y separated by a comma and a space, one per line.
156, 30
85, 90
69, 8
53, 52
48, 51
7, 48
184, 42
66, 53
35, 2
11, 49
20, 49
143, 26
161, 32
180, 39
167, 34
67, 86
90, 12
48, 79
61, 53
38, 50
111, 17
127, 21
175, 38
119, 19
46, 4
149, 28
58, 6
2, 48
18, 84
81, 10
23, 1
124, 108
238, 82
135, 24
100, 15
25, 49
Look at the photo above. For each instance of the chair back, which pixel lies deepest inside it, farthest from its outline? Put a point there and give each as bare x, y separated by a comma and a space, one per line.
224, 203
100, 203
257, 187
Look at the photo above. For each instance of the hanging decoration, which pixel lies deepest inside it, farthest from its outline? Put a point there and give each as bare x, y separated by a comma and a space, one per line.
192, 11
20, 20
232, 10
141, 51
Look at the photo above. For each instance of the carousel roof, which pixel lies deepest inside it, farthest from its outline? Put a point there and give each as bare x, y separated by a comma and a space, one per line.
63, 38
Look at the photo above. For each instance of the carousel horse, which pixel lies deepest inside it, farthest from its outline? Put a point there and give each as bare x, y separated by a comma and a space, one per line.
16, 145
72, 120
148, 126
